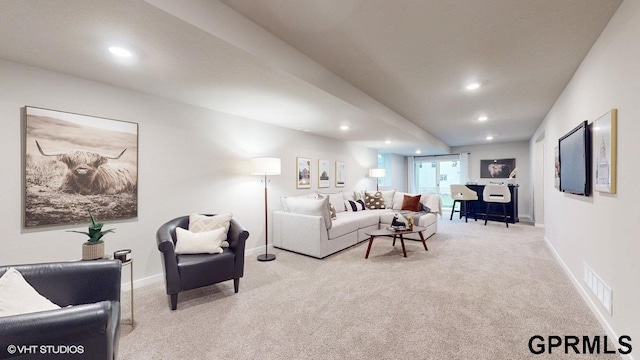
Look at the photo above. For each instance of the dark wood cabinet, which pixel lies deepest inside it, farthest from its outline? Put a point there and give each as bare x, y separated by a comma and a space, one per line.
481, 207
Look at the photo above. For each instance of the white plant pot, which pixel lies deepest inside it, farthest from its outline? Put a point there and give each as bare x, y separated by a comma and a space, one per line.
92, 251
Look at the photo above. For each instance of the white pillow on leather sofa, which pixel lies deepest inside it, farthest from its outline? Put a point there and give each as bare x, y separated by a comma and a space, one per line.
17, 296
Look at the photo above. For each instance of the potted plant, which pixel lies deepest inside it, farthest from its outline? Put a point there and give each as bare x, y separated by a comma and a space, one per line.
94, 247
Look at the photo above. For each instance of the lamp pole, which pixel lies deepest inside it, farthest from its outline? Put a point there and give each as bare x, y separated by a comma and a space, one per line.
265, 166
266, 256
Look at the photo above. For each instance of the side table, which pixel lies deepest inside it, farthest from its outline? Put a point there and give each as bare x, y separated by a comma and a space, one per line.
130, 264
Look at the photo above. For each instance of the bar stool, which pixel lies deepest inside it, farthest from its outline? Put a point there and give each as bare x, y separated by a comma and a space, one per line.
496, 194
461, 194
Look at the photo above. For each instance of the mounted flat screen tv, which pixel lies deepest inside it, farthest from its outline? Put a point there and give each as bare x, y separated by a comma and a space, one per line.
575, 160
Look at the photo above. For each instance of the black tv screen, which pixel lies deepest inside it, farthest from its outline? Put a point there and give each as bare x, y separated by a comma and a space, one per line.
575, 160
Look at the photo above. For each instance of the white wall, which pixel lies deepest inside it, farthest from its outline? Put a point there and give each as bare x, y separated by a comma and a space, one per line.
602, 230
537, 166
517, 150
190, 160
396, 178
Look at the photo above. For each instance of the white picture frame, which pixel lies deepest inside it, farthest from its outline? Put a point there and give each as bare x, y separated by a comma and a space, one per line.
341, 174
303, 173
324, 176
605, 143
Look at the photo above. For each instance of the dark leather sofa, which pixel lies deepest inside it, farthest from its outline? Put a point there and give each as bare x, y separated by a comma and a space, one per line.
90, 326
186, 272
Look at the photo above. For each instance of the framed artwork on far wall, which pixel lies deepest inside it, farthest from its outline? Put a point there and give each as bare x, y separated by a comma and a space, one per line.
605, 140
341, 174
323, 174
303, 173
76, 163
556, 179
497, 168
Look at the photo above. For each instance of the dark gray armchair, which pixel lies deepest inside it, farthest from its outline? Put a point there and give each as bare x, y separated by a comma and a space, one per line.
185, 272
92, 287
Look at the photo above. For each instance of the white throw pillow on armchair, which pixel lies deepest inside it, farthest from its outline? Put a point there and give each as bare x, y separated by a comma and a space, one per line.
200, 223
206, 242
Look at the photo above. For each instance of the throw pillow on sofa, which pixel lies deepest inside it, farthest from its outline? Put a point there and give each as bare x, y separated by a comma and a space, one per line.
387, 195
398, 199
332, 212
335, 199
357, 205
374, 201
411, 203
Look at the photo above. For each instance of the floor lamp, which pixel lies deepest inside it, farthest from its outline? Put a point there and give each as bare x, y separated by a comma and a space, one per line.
265, 166
377, 173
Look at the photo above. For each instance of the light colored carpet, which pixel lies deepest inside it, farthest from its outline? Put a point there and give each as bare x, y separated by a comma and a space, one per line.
478, 293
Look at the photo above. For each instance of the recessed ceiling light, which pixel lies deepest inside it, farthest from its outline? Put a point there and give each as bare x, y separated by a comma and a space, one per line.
344, 127
473, 86
387, 141
118, 51
489, 137
483, 118
418, 152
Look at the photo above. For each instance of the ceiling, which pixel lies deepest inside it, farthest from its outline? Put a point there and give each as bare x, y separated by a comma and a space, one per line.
392, 71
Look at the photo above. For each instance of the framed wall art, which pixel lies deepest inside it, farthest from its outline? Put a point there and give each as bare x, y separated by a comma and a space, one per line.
605, 139
341, 174
303, 171
497, 168
556, 178
323, 174
76, 163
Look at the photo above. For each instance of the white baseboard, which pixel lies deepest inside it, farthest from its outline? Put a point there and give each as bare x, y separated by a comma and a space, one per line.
539, 225
585, 296
142, 282
160, 277
258, 250
525, 219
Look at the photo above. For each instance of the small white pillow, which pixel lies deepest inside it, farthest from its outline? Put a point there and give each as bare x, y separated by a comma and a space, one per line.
357, 195
17, 296
335, 199
206, 242
199, 223
398, 198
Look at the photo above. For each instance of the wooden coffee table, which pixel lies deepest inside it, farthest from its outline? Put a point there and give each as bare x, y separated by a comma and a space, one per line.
395, 234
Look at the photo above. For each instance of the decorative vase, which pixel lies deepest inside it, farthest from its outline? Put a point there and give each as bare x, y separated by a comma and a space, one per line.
92, 251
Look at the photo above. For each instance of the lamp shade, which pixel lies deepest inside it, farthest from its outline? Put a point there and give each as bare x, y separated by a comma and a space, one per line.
265, 166
377, 173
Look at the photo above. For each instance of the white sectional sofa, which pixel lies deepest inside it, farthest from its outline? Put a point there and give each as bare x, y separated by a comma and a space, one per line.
304, 225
